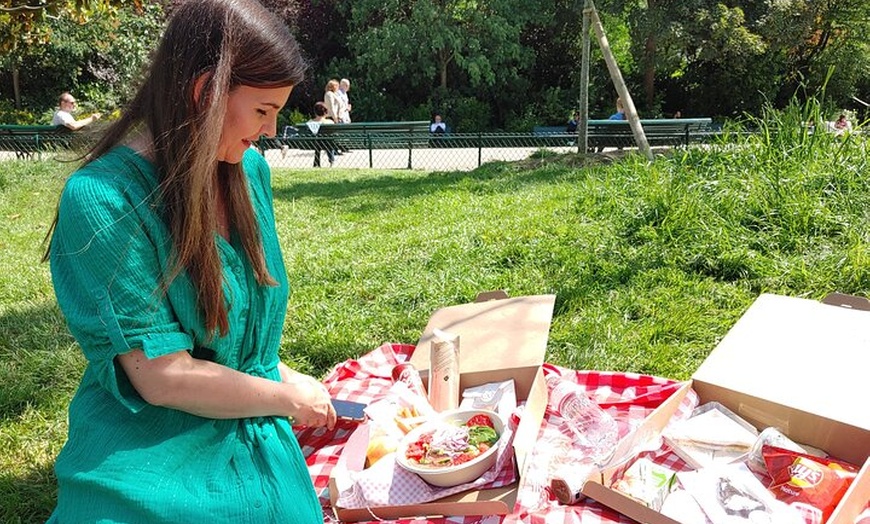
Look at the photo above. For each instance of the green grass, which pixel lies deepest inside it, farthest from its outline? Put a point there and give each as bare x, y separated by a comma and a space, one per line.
651, 263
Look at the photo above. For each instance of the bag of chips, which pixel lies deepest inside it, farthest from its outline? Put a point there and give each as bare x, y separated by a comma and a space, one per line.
812, 485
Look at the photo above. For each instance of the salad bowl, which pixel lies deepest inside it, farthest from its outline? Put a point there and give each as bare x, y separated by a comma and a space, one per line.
455, 447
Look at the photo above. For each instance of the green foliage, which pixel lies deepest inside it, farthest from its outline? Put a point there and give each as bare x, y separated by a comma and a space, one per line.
289, 117
98, 58
464, 114
554, 107
520, 59
9, 114
403, 51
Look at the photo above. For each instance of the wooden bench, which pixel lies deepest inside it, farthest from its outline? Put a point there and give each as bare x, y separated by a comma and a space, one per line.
26, 141
617, 133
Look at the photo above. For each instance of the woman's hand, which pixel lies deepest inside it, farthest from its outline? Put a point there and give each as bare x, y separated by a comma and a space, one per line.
312, 404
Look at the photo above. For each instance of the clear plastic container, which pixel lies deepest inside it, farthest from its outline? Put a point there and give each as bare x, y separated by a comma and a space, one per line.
596, 432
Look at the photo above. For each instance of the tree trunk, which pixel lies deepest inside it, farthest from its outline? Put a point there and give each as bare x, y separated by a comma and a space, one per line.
16, 88
444, 60
649, 54
583, 125
649, 70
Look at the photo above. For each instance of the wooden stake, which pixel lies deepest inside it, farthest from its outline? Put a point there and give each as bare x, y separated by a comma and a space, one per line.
621, 89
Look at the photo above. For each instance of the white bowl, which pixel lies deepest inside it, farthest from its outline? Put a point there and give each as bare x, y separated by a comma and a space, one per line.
452, 475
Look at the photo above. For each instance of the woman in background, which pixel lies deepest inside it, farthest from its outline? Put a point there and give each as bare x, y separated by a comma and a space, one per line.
332, 101
620, 111
167, 267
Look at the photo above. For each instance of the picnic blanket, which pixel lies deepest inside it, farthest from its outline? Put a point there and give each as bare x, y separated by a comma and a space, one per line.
628, 397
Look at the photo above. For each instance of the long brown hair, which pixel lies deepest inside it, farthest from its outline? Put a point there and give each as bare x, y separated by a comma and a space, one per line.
232, 43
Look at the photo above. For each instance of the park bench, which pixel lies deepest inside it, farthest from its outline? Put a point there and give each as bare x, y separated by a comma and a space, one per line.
354, 136
27, 141
617, 133
357, 135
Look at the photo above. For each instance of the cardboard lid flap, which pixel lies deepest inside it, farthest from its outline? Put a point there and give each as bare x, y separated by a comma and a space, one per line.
515, 329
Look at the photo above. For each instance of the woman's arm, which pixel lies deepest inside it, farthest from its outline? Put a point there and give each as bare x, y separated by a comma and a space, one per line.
211, 390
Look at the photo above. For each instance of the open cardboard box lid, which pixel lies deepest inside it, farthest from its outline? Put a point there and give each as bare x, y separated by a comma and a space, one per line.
500, 338
792, 363
497, 337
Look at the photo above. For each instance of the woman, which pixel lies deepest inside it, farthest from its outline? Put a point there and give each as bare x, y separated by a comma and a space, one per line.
167, 267
620, 111
332, 100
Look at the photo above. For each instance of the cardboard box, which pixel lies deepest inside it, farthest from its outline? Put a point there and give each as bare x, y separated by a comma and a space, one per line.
793, 363
500, 338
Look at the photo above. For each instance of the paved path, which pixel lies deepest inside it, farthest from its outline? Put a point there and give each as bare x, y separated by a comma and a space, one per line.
435, 159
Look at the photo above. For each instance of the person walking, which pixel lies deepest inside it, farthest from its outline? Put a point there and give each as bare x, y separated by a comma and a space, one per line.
345, 105
167, 267
332, 100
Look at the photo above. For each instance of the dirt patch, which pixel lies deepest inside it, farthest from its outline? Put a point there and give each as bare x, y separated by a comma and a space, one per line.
570, 160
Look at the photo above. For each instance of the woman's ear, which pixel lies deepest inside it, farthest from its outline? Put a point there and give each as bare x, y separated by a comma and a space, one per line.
198, 86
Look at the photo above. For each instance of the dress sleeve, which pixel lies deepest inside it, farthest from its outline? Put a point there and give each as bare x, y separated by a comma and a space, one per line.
107, 267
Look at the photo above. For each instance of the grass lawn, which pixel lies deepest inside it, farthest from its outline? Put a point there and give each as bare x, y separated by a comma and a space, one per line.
651, 263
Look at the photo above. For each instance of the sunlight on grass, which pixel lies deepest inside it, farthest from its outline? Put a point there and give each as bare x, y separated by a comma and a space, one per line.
651, 263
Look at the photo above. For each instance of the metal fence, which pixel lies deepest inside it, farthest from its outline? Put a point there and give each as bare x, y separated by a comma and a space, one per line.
452, 152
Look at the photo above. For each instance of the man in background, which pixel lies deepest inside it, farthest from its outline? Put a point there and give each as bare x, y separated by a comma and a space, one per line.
63, 116
344, 114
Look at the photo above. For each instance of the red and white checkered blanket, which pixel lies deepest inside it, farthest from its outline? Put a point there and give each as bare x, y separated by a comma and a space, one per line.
628, 397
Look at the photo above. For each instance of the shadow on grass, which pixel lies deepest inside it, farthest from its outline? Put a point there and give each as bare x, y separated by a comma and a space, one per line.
40, 364
494, 177
28, 498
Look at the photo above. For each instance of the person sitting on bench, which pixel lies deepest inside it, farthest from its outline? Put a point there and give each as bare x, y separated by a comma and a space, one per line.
63, 116
320, 119
573, 123
620, 111
437, 127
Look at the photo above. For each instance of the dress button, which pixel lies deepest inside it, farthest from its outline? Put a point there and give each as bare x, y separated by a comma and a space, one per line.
250, 477
258, 504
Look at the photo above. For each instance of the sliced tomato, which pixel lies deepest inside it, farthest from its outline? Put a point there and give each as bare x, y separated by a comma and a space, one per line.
483, 446
415, 451
480, 420
465, 457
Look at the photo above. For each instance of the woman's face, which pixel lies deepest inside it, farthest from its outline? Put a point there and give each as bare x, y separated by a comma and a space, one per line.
251, 112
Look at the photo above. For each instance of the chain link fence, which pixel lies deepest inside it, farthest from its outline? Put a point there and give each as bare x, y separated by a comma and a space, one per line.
453, 152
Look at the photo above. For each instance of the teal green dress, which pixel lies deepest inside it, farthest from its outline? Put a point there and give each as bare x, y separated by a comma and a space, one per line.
126, 460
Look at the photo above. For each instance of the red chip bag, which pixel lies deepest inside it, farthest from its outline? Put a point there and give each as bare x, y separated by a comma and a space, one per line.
812, 485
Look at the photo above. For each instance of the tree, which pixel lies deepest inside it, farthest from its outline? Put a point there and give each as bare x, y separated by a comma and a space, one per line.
24, 24
808, 38
421, 45
98, 56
